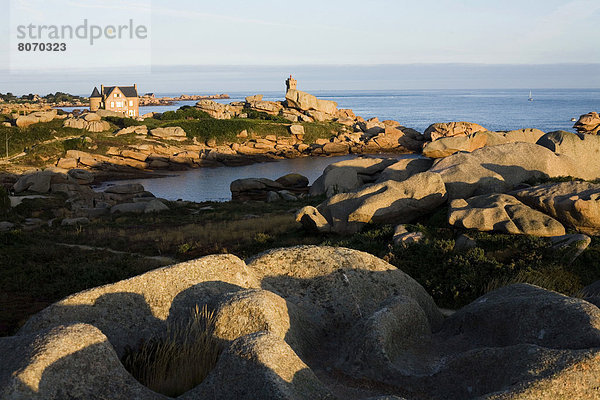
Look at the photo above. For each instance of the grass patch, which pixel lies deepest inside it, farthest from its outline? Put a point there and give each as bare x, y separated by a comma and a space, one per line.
226, 130
33, 269
185, 112
35, 272
180, 360
253, 114
320, 130
24, 139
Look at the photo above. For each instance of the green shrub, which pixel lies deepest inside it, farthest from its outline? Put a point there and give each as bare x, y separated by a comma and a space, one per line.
226, 130
181, 360
184, 112
74, 144
253, 114
319, 130
123, 122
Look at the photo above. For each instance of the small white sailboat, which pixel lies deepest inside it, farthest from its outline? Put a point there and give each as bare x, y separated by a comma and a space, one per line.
530, 96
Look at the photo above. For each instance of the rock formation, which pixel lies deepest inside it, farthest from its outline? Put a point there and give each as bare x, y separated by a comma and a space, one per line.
286, 187
293, 321
348, 175
90, 122
588, 124
498, 169
446, 146
35, 117
387, 202
575, 204
450, 129
501, 213
584, 150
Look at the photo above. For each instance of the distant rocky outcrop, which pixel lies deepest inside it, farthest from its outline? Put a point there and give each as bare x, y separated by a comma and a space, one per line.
450, 129
219, 110
335, 309
318, 109
288, 187
169, 133
447, 146
91, 122
82, 201
35, 117
588, 124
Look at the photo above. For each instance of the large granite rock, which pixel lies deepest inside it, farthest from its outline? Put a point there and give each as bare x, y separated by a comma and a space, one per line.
575, 204
502, 346
498, 169
306, 102
387, 202
584, 150
259, 188
72, 361
337, 310
260, 366
36, 117
170, 133
335, 286
449, 129
404, 169
95, 125
348, 175
393, 139
38, 182
501, 213
588, 124
446, 146
137, 308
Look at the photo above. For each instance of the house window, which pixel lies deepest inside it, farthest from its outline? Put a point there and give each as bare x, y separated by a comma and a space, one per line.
120, 104
117, 94
130, 103
131, 112
112, 104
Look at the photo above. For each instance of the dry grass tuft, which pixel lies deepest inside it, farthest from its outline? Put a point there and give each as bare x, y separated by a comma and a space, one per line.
180, 360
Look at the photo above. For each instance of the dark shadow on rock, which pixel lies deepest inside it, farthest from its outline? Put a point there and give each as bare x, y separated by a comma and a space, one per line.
124, 317
199, 295
93, 372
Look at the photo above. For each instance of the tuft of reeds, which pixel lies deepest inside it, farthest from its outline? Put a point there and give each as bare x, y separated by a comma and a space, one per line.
178, 361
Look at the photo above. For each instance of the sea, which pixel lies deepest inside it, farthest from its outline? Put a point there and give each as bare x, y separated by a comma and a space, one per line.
494, 109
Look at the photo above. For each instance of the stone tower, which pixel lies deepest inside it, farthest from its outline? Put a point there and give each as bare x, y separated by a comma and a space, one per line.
291, 83
95, 100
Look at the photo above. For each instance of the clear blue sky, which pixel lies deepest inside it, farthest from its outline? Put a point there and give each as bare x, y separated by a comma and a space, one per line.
503, 44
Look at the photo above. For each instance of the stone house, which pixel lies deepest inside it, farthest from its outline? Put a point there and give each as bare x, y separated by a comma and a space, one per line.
123, 99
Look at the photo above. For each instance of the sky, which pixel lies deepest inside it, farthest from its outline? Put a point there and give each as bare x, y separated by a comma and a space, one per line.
330, 44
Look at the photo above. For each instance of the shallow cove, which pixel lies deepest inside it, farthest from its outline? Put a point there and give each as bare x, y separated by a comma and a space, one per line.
212, 184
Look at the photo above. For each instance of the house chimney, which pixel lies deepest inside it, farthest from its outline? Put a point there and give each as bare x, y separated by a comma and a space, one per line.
135, 86
102, 90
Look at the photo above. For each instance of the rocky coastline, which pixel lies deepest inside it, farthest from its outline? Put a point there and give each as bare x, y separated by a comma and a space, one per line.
325, 321
151, 100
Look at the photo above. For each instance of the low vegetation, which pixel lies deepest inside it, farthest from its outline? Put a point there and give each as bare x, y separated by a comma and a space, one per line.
178, 361
46, 142
49, 98
37, 271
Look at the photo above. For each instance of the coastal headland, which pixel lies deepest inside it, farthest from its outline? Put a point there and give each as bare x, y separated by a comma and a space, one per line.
467, 271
